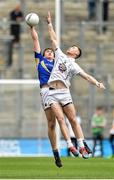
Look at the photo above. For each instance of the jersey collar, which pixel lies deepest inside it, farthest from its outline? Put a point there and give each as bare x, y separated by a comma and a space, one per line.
72, 59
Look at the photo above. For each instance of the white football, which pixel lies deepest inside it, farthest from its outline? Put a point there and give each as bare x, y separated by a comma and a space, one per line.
32, 19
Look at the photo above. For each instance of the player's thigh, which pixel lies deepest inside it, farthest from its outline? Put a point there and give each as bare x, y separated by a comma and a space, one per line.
57, 109
50, 117
69, 111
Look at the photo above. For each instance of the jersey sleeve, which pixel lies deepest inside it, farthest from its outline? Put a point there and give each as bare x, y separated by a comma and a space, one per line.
76, 68
58, 53
38, 57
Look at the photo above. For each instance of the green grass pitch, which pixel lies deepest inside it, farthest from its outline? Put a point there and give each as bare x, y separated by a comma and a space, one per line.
44, 168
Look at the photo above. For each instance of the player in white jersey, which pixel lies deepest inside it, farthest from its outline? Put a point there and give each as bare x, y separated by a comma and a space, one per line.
64, 69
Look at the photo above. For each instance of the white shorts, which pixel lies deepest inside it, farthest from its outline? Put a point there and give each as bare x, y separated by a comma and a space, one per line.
61, 96
44, 98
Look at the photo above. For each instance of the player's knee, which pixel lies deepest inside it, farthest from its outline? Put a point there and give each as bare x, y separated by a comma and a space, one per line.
60, 120
51, 125
73, 121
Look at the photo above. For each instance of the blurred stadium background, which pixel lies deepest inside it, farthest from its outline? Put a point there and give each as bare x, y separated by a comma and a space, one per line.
23, 127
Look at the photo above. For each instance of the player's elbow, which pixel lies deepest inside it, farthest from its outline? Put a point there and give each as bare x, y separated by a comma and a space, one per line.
54, 43
33, 38
88, 78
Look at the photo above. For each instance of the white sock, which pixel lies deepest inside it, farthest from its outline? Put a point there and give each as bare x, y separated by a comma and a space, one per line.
80, 143
69, 143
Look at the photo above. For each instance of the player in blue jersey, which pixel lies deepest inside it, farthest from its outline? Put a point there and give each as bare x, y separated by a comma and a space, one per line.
44, 63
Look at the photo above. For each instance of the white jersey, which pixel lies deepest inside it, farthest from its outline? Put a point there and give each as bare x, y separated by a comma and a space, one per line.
64, 68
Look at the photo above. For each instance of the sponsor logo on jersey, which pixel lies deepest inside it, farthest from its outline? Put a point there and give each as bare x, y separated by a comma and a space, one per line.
62, 67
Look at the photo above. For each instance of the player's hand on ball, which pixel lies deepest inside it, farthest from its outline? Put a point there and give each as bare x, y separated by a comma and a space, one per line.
32, 19
49, 17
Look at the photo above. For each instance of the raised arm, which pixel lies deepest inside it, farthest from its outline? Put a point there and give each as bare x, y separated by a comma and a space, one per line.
51, 31
92, 80
35, 38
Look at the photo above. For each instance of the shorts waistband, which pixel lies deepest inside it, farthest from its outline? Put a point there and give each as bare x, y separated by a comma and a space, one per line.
52, 88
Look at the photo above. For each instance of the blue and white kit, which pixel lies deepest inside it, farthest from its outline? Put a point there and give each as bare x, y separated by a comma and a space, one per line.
44, 68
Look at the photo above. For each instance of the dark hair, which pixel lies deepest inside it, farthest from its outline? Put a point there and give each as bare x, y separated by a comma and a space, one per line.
80, 52
99, 108
48, 49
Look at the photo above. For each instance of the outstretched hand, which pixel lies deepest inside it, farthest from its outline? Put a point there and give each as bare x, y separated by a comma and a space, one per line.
49, 17
101, 86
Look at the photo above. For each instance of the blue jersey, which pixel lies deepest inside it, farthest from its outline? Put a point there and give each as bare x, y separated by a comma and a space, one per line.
44, 68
